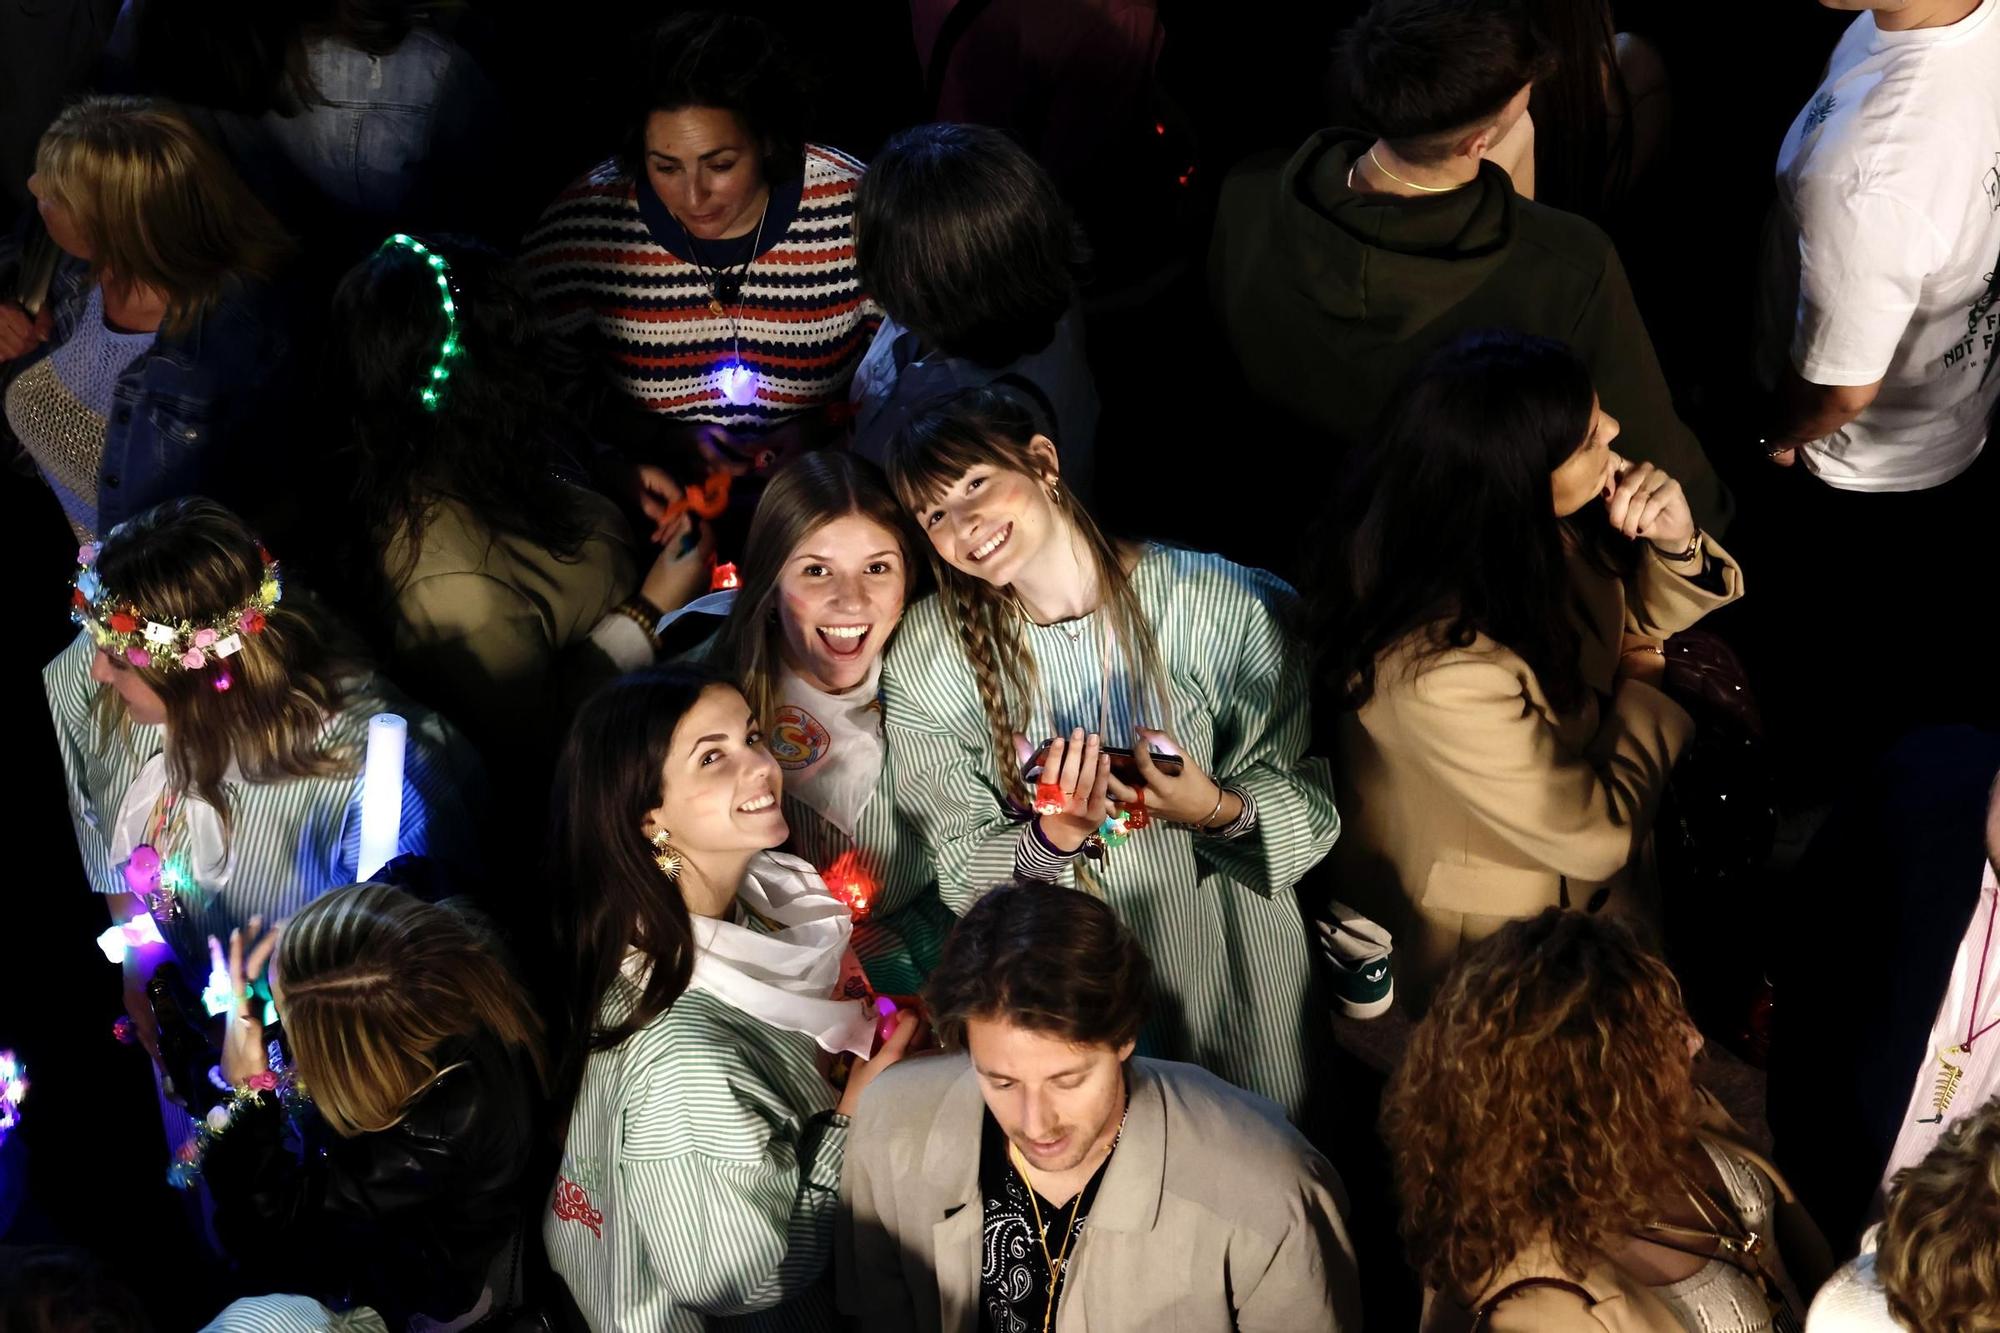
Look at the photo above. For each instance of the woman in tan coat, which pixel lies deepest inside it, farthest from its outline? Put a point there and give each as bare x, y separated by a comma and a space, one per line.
1558, 1167
1491, 616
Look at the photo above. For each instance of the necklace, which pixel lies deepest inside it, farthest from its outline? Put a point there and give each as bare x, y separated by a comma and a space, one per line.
1055, 1265
1979, 985
1376, 162
735, 381
1069, 627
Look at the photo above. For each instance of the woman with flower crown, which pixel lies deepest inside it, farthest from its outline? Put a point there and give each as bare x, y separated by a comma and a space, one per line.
211, 724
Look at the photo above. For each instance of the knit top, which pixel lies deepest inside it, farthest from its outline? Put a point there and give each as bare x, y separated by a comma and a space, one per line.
58, 408
609, 262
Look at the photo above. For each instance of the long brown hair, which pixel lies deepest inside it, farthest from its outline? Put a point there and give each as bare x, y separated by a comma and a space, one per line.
374, 982
990, 427
191, 560
610, 897
157, 204
805, 495
1547, 1097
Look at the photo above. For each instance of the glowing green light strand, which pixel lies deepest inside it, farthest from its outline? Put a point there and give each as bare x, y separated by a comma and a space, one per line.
433, 384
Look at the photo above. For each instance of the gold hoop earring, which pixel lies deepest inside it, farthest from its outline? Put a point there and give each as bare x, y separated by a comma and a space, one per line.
666, 856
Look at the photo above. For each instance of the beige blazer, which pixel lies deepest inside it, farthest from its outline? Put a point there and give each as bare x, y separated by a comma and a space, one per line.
1214, 1213
1467, 800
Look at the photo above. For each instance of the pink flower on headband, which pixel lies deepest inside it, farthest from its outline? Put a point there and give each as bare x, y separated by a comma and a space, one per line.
204, 637
138, 657
86, 555
194, 659
252, 621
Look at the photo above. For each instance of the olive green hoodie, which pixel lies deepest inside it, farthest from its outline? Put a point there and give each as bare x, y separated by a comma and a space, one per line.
1329, 298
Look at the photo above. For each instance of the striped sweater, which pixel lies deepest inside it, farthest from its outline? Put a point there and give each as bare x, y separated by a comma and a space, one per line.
607, 261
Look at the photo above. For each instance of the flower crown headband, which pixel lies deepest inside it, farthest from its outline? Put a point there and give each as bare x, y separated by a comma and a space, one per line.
129, 634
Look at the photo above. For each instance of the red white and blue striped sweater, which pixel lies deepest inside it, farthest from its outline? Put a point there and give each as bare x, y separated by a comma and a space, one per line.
608, 262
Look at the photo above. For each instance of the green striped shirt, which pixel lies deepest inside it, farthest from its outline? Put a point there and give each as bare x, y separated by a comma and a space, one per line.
1218, 917
290, 840
699, 1179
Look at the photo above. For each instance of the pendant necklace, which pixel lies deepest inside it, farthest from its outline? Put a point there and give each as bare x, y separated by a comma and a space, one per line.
736, 382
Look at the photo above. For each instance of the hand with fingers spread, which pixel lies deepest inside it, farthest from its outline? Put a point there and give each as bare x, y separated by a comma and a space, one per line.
1644, 502
1187, 797
680, 572
250, 950
1080, 770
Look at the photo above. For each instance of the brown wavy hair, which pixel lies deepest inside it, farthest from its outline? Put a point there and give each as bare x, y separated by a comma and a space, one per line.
374, 982
1045, 958
157, 203
1938, 1257
1548, 1097
993, 427
192, 560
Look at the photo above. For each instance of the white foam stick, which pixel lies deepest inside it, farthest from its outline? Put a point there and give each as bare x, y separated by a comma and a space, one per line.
382, 792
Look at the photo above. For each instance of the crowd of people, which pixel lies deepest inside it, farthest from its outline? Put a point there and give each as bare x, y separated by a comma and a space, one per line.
832, 862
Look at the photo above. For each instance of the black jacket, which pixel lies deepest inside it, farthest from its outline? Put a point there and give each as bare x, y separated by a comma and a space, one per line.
408, 1220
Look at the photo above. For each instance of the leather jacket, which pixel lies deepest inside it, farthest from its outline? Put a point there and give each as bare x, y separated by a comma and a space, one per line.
408, 1220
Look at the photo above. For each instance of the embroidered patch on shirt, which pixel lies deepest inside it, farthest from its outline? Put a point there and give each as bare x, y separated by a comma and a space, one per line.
572, 1204
798, 740
1816, 114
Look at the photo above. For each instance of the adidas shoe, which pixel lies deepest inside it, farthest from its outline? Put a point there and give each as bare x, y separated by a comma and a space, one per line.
1362, 962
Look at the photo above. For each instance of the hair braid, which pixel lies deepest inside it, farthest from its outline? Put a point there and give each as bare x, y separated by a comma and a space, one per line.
988, 642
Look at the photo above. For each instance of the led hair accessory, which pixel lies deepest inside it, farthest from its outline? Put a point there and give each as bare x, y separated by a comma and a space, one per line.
132, 636
432, 391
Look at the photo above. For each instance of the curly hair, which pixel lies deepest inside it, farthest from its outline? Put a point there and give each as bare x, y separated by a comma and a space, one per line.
1546, 1098
1936, 1258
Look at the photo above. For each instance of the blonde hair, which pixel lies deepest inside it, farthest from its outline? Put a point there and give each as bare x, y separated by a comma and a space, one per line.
190, 560
994, 428
1938, 1256
373, 983
157, 204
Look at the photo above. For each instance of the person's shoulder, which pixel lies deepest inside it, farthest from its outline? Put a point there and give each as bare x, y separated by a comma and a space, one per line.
604, 186
1255, 1154
1562, 242
900, 1107
826, 165
1206, 573
927, 640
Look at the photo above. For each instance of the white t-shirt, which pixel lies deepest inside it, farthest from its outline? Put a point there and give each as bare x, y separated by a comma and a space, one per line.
1886, 244
1852, 1301
1954, 1081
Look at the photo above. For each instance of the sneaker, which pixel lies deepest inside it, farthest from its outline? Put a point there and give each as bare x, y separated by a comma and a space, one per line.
1364, 979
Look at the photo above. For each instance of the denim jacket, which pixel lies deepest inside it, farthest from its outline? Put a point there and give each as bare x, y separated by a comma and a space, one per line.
384, 128
183, 415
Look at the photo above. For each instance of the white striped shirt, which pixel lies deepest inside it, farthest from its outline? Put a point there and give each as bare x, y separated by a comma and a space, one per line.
1217, 916
290, 840
699, 1177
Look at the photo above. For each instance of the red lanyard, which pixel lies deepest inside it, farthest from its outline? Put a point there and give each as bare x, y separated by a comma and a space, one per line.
1979, 985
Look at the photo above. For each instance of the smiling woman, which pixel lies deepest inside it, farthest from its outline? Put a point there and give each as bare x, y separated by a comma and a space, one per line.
712, 261
710, 991
830, 562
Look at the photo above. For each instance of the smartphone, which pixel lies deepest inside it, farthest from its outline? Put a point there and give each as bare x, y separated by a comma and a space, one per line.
1124, 766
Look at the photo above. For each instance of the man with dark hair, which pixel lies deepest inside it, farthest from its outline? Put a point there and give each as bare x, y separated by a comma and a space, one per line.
1335, 272
1044, 1177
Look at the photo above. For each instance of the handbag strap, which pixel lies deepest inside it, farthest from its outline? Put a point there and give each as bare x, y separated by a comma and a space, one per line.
1513, 1289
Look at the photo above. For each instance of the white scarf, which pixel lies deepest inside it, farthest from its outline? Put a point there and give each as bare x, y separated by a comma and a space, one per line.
791, 977
830, 745
203, 838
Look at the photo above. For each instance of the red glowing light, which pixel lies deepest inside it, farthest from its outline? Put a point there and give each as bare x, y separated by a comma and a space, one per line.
848, 880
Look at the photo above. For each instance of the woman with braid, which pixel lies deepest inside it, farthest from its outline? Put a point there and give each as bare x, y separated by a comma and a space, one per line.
1043, 629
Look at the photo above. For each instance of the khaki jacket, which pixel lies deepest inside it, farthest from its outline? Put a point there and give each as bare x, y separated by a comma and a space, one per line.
495, 629
1214, 1213
1468, 800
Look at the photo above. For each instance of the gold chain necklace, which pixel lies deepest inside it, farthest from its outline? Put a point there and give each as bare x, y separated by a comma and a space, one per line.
1376, 162
1055, 1265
